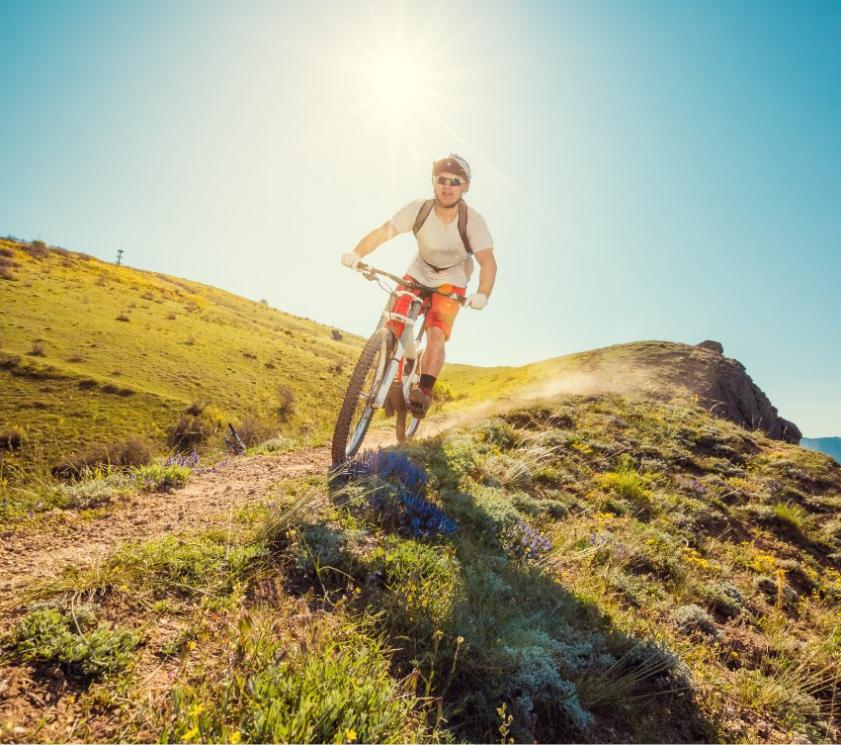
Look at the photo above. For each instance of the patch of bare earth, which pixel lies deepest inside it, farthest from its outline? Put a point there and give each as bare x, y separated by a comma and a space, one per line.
207, 501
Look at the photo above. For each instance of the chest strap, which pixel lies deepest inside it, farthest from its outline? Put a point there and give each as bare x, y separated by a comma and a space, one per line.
423, 214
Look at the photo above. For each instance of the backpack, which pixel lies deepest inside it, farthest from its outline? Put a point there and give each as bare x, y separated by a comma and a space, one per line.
423, 213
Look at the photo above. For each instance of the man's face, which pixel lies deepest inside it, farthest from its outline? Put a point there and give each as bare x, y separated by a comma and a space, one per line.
446, 191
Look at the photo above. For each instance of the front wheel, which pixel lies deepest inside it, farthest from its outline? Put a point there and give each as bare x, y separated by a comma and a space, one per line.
358, 405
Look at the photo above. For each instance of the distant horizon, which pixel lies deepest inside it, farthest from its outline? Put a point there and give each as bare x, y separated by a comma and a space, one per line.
647, 169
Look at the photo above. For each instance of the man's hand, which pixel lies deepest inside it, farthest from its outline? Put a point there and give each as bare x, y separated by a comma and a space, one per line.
477, 301
351, 260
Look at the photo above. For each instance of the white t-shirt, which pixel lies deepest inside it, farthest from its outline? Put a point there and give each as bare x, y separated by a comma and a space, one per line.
440, 244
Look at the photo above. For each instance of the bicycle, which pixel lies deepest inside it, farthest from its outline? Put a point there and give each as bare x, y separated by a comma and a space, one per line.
387, 369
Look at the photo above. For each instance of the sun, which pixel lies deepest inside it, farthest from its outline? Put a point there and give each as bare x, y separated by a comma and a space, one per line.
397, 84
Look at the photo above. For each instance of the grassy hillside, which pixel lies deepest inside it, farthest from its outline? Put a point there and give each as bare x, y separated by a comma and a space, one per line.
92, 354
590, 569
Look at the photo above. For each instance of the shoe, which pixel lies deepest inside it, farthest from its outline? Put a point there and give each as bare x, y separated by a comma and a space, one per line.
419, 402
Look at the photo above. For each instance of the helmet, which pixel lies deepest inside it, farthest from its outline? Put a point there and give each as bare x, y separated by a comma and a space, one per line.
451, 163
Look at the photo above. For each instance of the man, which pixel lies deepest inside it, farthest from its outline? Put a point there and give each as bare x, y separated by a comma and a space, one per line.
449, 233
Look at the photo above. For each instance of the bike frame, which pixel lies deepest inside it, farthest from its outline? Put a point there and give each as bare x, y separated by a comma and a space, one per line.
407, 344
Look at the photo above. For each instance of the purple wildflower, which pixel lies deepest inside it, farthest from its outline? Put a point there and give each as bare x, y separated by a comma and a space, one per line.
406, 506
524, 542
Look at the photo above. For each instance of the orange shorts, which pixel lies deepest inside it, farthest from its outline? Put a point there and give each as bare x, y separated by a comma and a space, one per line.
440, 311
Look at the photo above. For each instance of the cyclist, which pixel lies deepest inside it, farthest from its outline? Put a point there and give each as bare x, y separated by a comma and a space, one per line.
449, 234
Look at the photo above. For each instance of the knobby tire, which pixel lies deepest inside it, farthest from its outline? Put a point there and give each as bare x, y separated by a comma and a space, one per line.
381, 341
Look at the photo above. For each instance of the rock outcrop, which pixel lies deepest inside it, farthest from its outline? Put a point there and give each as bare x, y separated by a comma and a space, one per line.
728, 391
662, 369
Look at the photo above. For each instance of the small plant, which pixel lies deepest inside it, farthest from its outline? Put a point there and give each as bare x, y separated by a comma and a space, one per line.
401, 503
36, 249
273, 445
693, 617
523, 542
73, 641
505, 721
285, 402
38, 349
190, 431
189, 460
792, 516
628, 485
135, 451
95, 487
11, 439
157, 478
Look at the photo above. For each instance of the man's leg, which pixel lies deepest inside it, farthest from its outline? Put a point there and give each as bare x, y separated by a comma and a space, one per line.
433, 357
432, 363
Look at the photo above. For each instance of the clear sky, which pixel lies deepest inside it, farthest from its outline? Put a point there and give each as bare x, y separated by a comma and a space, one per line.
649, 170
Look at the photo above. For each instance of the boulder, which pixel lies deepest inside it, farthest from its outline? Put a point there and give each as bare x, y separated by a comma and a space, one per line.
713, 346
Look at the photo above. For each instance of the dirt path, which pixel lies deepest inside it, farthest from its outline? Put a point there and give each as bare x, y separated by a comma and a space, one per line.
28, 555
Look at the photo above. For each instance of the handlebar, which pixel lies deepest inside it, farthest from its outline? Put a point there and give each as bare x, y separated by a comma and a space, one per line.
370, 273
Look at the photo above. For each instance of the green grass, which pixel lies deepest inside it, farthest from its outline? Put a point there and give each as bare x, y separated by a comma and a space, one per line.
159, 477
74, 641
634, 624
101, 380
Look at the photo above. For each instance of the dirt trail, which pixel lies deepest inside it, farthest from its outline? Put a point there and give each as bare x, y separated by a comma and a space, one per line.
28, 555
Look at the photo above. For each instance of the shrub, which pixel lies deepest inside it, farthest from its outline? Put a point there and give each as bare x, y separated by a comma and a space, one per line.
724, 598
629, 485
318, 547
253, 430
38, 349
160, 477
272, 446
123, 317
95, 488
11, 439
7, 266
45, 635
285, 402
190, 431
196, 408
36, 249
135, 451
693, 617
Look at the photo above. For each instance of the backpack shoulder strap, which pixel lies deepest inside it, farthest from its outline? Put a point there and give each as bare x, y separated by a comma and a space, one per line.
423, 213
462, 226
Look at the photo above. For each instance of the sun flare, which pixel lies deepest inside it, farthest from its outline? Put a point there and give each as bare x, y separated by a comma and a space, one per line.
396, 83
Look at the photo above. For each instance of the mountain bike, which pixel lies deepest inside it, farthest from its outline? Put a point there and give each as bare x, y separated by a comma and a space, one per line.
387, 369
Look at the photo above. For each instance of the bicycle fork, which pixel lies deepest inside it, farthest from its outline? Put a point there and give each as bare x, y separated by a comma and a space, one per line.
406, 347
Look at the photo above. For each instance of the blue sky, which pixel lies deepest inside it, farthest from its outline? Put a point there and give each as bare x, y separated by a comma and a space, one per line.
649, 170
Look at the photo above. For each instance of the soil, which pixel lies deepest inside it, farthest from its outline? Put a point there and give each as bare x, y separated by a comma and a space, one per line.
30, 555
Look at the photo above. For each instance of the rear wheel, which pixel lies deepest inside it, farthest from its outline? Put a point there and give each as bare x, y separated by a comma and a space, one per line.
358, 405
407, 425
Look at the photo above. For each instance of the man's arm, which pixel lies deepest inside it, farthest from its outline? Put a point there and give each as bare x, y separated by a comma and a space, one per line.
487, 270
375, 238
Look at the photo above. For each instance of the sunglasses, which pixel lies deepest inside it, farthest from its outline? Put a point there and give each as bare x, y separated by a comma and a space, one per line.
443, 180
